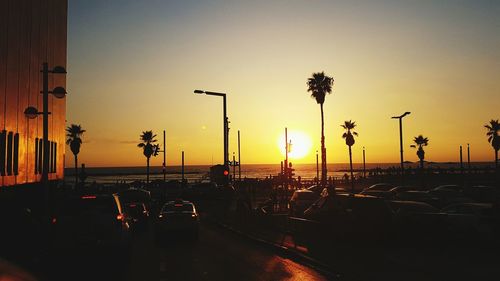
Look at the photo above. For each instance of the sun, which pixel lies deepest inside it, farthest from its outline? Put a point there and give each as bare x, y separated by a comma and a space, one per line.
300, 144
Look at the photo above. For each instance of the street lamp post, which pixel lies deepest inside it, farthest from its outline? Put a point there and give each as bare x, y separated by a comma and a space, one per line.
401, 140
32, 112
224, 122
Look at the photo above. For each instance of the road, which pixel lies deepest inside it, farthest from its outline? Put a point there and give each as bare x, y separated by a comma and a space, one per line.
218, 255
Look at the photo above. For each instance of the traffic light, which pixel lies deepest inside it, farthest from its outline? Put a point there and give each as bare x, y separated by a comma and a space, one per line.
156, 149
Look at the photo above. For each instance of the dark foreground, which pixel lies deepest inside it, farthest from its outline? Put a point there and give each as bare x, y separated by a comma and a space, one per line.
217, 255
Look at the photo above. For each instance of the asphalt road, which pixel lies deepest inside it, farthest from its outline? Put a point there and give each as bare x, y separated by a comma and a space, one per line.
217, 255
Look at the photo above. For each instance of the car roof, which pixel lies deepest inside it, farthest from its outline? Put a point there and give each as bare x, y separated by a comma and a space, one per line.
304, 191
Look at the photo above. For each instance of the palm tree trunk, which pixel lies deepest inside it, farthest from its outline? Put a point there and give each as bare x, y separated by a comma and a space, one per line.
76, 171
352, 175
323, 149
147, 170
496, 159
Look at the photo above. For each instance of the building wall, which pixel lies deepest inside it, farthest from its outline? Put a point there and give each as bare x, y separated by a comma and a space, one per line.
31, 32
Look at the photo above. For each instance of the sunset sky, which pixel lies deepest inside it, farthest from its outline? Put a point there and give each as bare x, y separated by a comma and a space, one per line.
133, 66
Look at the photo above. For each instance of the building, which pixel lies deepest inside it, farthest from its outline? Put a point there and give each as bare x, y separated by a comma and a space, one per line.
31, 32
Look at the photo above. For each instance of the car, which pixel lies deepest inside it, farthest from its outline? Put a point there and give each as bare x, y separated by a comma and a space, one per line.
418, 196
353, 216
449, 187
471, 220
136, 195
413, 220
401, 188
483, 193
177, 217
92, 220
300, 201
378, 193
139, 214
380, 186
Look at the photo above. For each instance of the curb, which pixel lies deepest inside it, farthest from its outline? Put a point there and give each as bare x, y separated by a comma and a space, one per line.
287, 252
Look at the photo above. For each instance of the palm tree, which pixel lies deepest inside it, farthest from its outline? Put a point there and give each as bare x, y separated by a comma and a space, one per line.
493, 137
74, 133
320, 85
349, 141
420, 141
148, 148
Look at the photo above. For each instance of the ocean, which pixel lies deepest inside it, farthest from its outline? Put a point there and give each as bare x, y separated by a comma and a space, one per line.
199, 172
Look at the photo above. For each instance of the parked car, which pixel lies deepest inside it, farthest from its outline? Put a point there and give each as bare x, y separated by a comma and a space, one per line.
92, 220
380, 186
471, 220
417, 220
448, 187
483, 193
177, 217
418, 196
401, 188
352, 216
300, 201
449, 194
384, 194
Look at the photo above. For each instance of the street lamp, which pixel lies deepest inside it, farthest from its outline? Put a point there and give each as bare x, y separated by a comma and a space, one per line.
31, 113
224, 121
401, 139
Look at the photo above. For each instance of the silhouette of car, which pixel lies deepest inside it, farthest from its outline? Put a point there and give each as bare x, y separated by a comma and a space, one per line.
471, 220
483, 193
90, 220
177, 217
418, 196
139, 215
300, 201
401, 188
380, 186
385, 194
352, 216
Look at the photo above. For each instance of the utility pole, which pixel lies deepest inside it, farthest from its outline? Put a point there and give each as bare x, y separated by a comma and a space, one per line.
317, 168
164, 157
468, 157
364, 163
239, 157
183, 167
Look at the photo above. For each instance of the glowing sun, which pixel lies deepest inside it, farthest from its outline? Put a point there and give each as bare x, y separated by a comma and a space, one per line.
299, 144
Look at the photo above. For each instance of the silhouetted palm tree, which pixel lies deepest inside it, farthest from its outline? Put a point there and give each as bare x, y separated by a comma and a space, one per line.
493, 137
349, 141
74, 133
148, 148
421, 141
320, 85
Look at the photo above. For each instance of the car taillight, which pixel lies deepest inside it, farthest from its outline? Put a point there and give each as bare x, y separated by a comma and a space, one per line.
54, 220
120, 217
193, 215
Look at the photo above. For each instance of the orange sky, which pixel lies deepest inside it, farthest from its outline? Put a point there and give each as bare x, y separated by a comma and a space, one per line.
133, 67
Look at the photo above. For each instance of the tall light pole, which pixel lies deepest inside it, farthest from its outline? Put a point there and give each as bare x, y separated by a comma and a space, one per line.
224, 122
468, 158
401, 140
32, 112
164, 168
317, 168
364, 163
